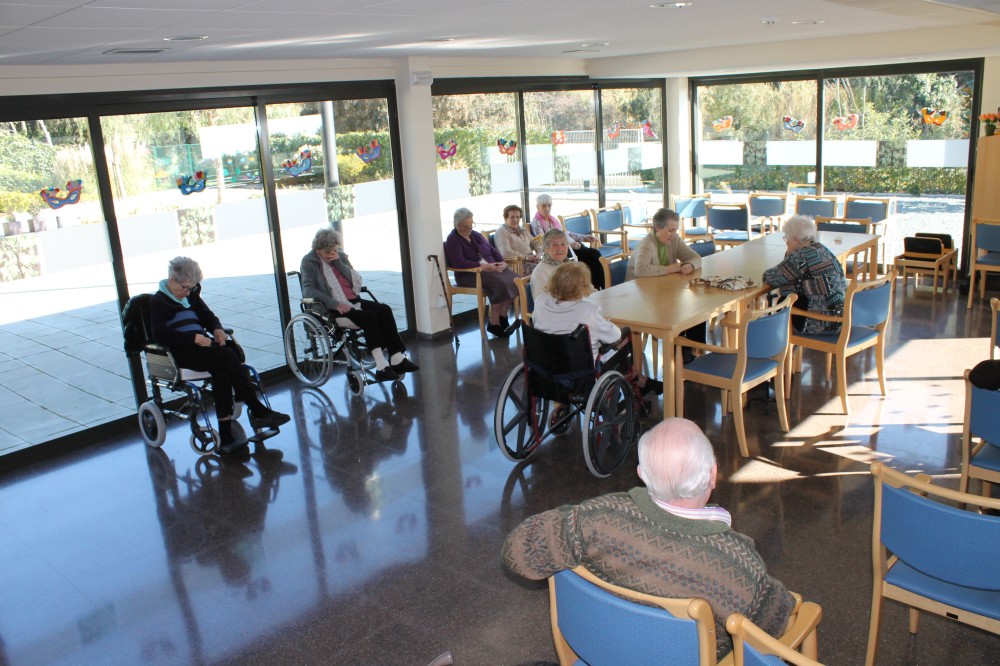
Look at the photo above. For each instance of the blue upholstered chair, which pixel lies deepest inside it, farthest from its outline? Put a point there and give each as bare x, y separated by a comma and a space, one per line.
729, 223
703, 247
691, 208
593, 625
944, 559
525, 299
845, 225
583, 223
769, 209
752, 646
614, 271
995, 307
865, 324
762, 353
984, 255
815, 206
877, 208
980, 460
610, 225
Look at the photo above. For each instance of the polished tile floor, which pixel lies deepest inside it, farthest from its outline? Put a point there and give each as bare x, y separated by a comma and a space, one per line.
369, 531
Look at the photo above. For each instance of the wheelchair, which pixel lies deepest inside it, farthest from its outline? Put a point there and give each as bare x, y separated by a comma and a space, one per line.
165, 375
561, 369
317, 340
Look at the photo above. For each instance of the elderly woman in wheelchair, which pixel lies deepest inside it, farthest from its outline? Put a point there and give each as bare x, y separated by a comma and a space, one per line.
576, 361
182, 323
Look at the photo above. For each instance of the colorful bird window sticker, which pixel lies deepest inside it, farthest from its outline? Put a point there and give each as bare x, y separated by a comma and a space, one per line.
933, 116
793, 124
558, 137
189, 184
506, 146
615, 130
370, 152
723, 123
647, 130
848, 122
54, 201
449, 151
299, 165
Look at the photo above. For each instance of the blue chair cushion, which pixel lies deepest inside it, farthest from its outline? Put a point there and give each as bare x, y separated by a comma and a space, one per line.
988, 457
989, 259
724, 365
983, 602
609, 250
859, 334
732, 236
696, 231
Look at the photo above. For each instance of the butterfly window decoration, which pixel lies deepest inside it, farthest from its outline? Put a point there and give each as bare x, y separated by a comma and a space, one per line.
189, 184
506, 146
647, 130
848, 122
445, 152
793, 124
370, 152
52, 199
933, 116
300, 165
615, 130
558, 137
723, 123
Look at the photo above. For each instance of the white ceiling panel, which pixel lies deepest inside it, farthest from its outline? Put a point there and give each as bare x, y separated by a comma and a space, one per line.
210, 5
250, 20
21, 15
133, 19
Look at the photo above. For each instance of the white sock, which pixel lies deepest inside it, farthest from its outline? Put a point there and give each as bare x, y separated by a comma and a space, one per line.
396, 358
379, 357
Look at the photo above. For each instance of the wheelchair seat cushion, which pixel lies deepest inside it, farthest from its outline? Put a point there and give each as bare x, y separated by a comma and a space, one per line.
194, 375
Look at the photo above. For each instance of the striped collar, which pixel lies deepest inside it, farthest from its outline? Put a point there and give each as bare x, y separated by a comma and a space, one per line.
710, 512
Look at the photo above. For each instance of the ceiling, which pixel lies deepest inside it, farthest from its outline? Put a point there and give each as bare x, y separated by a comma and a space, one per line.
46, 32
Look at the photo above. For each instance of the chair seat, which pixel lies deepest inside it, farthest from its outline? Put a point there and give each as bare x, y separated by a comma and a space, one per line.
696, 231
732, 236
194, 375
988, 457
989, 259
859, 334
983, 602
632, 244
724, 365
609, 250
920, 261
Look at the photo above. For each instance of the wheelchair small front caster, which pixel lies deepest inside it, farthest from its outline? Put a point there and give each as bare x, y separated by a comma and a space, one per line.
356, 381
204, 440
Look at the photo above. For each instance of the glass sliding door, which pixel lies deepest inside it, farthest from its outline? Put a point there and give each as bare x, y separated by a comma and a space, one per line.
62, 368
189, 183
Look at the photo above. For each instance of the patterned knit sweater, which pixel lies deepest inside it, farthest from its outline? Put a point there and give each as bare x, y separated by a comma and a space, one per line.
625, 539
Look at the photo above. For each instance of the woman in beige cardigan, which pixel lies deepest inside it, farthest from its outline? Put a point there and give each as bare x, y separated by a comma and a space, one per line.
515, 242
663, 251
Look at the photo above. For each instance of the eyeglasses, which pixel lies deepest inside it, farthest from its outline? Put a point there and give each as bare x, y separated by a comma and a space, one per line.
186, 287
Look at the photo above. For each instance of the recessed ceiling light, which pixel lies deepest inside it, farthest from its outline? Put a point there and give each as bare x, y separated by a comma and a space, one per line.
596, 44
439, 40
134, 51
768, 21
671, 5
185, 38
809, 22
582, 51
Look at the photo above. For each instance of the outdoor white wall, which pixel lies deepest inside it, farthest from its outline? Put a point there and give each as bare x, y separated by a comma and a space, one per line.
150, 232
73, 247
677, 128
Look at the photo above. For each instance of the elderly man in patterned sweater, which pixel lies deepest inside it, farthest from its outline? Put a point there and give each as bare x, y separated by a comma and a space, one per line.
664, 539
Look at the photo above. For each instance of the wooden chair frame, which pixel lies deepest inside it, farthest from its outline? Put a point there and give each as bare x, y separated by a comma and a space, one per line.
995, 308
819, 197
970, 470
936, 264
621, 232
868, 227
840, 349
724, 243
522, 290
799, 645
516, 263
737, 384
974, 265
477, 291
879, 226
882, 563
682, 228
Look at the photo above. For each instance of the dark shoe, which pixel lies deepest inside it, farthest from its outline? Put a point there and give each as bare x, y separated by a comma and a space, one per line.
404, 366
504, 322
509, 331
653, 386
386, 374
268, 419
234, 447
497, 331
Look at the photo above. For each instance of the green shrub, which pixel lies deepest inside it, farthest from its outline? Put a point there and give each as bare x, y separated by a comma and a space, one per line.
18, 202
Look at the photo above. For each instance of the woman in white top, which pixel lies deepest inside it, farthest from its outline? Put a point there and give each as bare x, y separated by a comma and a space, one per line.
515, 242
555, 252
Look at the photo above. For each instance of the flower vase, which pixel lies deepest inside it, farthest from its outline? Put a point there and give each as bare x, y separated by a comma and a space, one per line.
989, 129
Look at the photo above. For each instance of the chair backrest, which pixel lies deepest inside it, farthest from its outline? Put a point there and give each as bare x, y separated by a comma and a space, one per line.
614, 271
766, 331
765, 204
728, 217
135, 323
844, 225
803, 188
690, 207
491, 239
982, 409
919, 245
869, 303
946, 240
876, 208
559, 365
635, 212
703, 248
817, 206
578, 223
600, 627
936, 539
526, 298
987, 235
609, 219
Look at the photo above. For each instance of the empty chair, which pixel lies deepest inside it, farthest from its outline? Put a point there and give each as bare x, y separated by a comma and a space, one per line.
614, 271
752, 646
984, 255
877, 208
703, 247
927, 254
761, 354
980, 460
816, 206
609, 224
691, 208
730, 223
943, 559
849, 225
583, 223
769, 208
864, 324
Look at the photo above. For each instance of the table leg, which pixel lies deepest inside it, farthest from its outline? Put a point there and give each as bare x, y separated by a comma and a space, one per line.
669, 401
637, 351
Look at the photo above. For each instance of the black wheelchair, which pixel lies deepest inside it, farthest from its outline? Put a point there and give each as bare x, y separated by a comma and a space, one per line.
561, 369
164, 375
317, 340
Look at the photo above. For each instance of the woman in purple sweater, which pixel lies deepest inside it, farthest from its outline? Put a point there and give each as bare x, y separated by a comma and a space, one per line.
465, 248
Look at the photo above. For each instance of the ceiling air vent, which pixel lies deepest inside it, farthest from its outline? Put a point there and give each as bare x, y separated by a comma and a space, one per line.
134, 51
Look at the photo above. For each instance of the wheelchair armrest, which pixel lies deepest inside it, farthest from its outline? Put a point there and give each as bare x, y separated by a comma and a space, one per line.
155, 348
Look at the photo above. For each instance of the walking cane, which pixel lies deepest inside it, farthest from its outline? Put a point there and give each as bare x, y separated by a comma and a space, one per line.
444, 291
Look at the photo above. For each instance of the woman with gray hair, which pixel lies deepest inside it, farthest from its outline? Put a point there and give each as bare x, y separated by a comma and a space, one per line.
544, 220
812, 272
555, 252
466, 248
328, 277
180, 321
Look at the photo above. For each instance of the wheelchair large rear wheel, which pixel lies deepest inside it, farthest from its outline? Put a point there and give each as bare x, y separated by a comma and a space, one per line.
519, 418
611, 426
307, 350
152, 425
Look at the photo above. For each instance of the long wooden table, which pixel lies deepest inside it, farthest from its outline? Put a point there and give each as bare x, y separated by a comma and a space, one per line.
667, 305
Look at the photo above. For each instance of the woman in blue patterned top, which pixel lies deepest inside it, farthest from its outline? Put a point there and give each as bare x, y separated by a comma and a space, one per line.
810, 270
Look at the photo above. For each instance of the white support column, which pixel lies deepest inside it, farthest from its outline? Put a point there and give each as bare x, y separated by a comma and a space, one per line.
678, 122
423, 206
